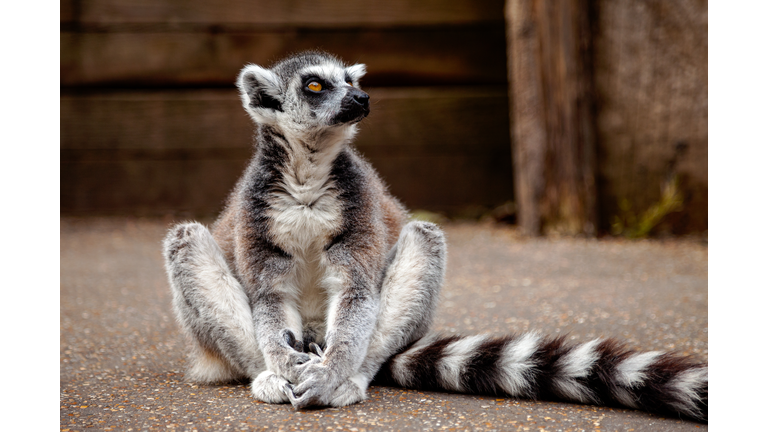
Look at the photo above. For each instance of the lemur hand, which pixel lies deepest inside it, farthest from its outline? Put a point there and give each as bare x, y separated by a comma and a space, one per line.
292, 359
316, 383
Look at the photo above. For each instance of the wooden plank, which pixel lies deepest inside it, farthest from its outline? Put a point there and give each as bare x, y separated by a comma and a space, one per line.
156, 120
651, 81
528, 113
143, 187
295, 13
206, 119
448, 183
443, 183
414, 56
441, 149
550, 75
67, 12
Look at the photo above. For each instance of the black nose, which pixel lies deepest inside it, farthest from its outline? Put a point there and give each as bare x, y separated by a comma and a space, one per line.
354, 107
359, 97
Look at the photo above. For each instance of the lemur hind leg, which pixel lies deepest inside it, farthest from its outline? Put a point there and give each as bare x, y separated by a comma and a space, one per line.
409, 293
211, 307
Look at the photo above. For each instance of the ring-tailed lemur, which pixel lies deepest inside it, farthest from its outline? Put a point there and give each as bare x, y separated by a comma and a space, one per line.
312, 281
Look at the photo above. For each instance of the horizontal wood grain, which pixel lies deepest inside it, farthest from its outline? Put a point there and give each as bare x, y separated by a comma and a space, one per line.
154, 120
413, 56
295, 12
154, 151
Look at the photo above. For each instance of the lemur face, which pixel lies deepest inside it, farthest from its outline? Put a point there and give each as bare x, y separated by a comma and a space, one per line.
308, 92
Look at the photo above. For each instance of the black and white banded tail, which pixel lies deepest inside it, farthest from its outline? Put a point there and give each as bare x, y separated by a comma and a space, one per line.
600, 372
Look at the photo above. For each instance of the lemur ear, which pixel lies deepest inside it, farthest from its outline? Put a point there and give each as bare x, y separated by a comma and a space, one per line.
356, 71
259, 88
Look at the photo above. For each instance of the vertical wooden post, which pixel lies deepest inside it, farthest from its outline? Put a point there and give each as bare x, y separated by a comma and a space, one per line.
549, 60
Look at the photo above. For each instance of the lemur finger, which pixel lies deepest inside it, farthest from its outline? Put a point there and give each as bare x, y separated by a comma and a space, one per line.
301, 388
288, 390
311, 360
315, 348
289, 337
314, 384
299, 399
291, 397
305, 401
302, 358
292, 342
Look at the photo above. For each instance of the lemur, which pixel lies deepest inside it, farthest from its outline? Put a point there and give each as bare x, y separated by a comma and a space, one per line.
313, 281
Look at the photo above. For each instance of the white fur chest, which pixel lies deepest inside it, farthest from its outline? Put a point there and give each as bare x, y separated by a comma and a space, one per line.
305, 213
305, 210
304, 217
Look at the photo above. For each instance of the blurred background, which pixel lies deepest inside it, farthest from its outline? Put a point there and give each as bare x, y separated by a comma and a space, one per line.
582, 117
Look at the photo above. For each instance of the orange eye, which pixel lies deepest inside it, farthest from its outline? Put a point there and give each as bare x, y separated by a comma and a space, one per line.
315, 86
350, 83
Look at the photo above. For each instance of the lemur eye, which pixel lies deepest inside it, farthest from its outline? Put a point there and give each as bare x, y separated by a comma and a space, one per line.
315, 86
350, 83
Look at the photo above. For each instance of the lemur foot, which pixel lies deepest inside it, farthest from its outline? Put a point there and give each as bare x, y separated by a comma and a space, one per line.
351, 391
270, 388
314, 393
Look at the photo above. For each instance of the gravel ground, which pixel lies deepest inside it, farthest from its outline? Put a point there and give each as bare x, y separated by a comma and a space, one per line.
122, 357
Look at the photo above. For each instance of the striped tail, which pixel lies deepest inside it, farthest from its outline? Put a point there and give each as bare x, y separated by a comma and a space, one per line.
600, 372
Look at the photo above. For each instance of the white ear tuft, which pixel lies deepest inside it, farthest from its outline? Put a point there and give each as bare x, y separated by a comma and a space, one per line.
356, 71
255, 83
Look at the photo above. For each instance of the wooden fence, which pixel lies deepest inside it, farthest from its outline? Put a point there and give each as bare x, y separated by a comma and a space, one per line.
609, 115
616, 95
151, 122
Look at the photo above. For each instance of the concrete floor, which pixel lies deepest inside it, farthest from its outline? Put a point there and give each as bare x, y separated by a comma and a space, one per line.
122, 357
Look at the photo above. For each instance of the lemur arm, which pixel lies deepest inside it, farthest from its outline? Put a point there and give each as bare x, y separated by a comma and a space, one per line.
275, 320
354, 303
262, 267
